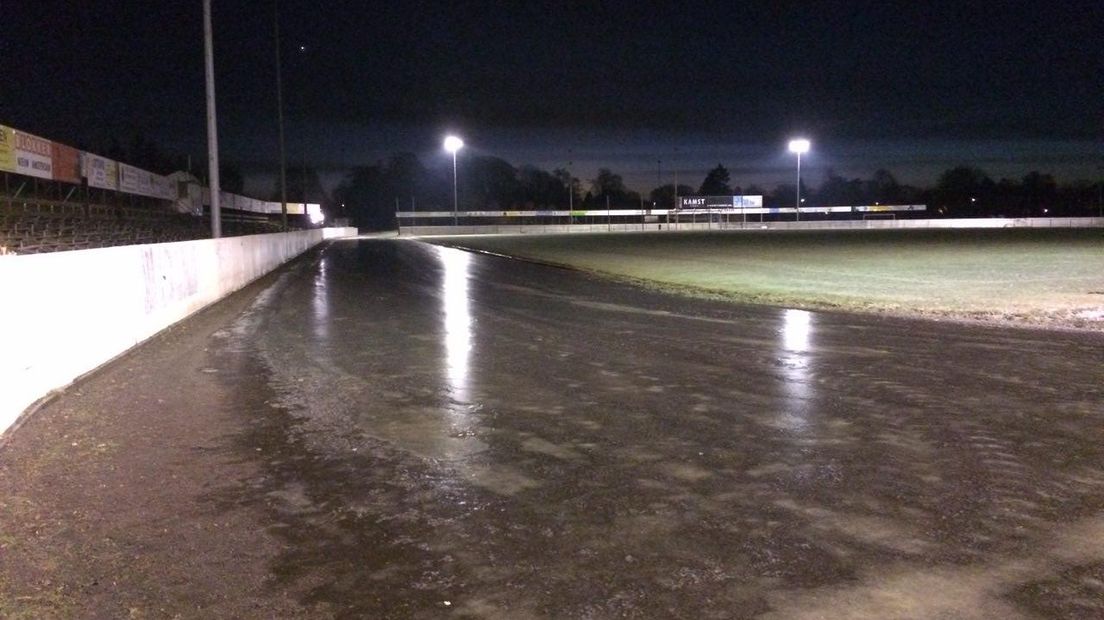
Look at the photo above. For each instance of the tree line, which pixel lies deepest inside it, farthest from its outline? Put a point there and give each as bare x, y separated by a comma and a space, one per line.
370, 195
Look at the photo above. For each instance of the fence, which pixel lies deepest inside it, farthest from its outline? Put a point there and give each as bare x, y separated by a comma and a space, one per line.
548, 229
641, 219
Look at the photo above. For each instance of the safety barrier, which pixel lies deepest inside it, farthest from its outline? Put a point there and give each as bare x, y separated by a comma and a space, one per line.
548, 229
66, 313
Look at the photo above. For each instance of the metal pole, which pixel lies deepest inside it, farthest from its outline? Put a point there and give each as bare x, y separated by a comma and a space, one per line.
797, 206
675, 206
455, 193
1100, 195
570, 188
280, 118
212, 126
676, 188
609, 226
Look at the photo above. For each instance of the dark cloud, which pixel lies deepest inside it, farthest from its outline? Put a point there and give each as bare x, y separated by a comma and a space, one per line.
613, 78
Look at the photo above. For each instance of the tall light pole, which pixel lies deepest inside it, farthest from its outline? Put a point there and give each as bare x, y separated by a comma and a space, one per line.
280, 120
570, 185
212, 126
453, 144
674, 165
658, 189
798, 146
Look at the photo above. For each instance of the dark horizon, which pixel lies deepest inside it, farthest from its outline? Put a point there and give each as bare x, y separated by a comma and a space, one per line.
899, 86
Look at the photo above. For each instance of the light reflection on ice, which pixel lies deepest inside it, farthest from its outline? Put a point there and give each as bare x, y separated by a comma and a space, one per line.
457, 318
320, 304
797, 328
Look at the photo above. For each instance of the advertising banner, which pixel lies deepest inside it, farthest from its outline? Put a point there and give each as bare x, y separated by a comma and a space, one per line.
66, 164
887, 208
7, 149
135, 180
100, 171
720, 202
747, 202
33, 156
163, 187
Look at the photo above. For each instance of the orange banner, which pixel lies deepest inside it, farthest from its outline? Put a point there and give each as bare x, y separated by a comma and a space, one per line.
66, 164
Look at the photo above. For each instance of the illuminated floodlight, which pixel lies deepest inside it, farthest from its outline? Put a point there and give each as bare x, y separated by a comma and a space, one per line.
453, 144
799, 146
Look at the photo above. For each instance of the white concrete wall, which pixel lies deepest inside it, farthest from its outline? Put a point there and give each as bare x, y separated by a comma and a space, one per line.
333, 233
63, 314
540, 229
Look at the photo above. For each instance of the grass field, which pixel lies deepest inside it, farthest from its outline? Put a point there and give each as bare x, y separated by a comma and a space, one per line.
1036, 276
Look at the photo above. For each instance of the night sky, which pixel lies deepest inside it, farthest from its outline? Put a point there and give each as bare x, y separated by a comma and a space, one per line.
914, 87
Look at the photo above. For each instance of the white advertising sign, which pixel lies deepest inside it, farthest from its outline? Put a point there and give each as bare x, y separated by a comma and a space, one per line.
33, 156
135, 180
100, 171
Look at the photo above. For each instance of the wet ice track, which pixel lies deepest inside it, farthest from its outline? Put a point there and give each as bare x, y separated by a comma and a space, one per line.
443, 430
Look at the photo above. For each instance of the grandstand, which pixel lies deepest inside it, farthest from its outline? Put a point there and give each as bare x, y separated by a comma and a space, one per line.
35, 226
56, 198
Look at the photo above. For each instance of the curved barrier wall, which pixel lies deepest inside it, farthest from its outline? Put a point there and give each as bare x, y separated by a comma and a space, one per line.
540, 229
64, 314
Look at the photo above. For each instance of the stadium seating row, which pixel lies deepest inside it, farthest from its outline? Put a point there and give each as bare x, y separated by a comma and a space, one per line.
30, 227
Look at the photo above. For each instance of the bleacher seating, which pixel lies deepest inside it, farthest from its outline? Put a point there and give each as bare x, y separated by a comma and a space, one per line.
29, 227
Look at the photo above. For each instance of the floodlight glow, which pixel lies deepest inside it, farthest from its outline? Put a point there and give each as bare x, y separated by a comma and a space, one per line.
453, 144
799, 146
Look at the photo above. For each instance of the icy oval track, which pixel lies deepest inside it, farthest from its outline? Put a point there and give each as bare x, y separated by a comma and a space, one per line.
536, 441
428, 430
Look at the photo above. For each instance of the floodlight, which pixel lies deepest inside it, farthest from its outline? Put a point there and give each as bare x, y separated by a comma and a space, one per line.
453, 144
799, 146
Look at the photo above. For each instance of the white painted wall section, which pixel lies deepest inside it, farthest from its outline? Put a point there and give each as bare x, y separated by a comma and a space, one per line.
63, 314
599, 226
